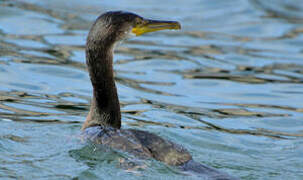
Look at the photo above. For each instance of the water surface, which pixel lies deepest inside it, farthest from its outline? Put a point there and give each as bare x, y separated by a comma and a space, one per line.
228, 87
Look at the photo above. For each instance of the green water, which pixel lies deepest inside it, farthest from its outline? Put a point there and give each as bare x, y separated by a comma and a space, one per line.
228, 87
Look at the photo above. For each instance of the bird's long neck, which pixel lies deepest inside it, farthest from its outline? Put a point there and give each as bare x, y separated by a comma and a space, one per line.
105, 108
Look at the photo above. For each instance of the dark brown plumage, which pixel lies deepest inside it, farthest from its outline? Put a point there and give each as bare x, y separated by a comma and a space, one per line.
103, 122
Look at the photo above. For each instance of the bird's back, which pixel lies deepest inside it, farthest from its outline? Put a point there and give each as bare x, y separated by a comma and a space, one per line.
146, 145
142, 144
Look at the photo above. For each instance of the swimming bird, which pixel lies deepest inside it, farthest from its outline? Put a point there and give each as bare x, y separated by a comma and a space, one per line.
103, 122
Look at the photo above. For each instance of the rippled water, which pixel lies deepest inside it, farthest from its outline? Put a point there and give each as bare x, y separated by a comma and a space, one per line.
228, 87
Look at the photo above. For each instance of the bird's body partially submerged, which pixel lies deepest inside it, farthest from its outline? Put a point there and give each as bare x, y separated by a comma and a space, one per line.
142, 144
102, 125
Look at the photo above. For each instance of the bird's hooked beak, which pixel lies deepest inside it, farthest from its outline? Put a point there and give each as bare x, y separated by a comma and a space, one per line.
154, 25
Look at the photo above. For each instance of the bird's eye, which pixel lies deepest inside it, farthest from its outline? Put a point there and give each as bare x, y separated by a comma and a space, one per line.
139, 21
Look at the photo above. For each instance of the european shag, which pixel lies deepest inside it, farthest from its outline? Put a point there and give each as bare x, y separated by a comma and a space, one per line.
103, 122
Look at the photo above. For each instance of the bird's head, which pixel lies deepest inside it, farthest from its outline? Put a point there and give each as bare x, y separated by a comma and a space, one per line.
115, 26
